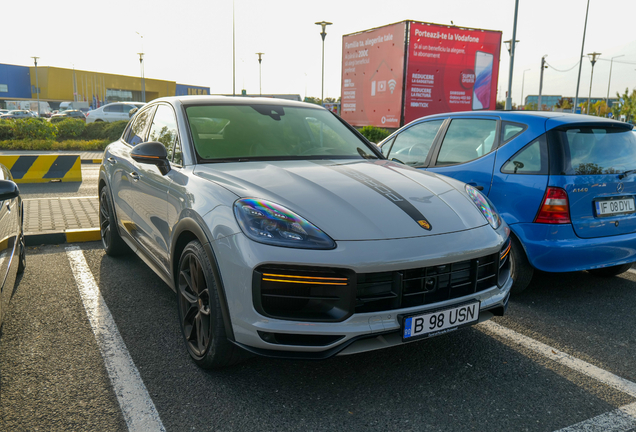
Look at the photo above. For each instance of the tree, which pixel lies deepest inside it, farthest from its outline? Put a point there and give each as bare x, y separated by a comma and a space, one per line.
627, 104
501, 105
564, 103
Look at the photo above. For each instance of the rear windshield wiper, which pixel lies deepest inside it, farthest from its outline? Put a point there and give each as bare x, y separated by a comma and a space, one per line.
626, 173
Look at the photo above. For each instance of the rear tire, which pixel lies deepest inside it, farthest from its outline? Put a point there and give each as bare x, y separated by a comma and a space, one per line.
113, 244
611, 271
200, 314
520, 268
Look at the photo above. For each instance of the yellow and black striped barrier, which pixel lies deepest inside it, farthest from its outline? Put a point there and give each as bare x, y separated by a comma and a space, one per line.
43, 168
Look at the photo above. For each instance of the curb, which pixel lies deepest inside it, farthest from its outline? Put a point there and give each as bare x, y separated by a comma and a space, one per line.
68, 236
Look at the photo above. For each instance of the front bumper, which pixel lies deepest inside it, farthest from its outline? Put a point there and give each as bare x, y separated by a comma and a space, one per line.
238, 256
556, 248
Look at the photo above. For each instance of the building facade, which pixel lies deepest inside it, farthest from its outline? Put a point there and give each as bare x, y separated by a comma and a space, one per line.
56, 85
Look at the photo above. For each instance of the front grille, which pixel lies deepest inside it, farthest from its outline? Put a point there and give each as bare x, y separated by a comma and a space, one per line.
423, 286
332, 295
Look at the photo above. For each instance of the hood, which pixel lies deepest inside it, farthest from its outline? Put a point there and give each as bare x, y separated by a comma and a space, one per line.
354, 200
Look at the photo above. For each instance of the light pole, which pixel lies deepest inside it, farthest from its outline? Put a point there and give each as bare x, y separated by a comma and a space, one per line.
543, 66
511, 51
260, 88
37, 85
324, 25
593, 61
522, 81
610, 79
578, 81
141, 65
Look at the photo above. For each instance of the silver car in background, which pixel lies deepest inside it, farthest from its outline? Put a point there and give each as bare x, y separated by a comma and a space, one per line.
285, 233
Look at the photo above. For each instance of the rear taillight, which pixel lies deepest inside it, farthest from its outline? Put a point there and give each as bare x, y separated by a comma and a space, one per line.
555, 208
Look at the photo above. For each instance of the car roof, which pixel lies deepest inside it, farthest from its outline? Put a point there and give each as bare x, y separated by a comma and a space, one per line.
235, 100
557, 118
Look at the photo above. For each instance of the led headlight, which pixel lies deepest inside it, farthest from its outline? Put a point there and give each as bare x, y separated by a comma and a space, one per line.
485, 206
269, 223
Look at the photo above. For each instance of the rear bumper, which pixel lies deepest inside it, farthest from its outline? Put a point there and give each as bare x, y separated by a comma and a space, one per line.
556, 248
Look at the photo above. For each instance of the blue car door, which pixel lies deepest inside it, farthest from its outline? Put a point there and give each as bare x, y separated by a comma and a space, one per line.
466, 151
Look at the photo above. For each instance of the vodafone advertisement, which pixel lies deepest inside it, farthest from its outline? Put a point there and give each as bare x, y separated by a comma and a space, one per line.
450, 69
373, 76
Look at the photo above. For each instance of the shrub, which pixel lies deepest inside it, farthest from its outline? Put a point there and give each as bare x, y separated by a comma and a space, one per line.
80, 145
114, 130
70, 128
34, 129
94, 130
6, 130
374, 134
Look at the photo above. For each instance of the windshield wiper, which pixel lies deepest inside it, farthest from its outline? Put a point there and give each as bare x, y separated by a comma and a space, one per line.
626, 173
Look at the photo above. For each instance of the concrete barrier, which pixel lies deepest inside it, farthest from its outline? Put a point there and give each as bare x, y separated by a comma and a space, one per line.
43, 168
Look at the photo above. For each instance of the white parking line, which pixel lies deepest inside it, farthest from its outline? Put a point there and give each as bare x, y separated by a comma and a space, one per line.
136, 405
631, 270
622, 419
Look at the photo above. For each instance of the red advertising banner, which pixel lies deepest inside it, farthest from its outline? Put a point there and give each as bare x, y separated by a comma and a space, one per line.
450, 69
372, 76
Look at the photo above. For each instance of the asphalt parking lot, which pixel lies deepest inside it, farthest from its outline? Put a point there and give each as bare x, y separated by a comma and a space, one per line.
112, 358
575, 366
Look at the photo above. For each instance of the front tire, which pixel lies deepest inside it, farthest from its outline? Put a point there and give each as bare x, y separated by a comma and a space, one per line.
520, 268
113, 244
611, 271
200, 313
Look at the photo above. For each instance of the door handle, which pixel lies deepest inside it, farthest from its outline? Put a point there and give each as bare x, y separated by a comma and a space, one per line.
111, 160
133, 175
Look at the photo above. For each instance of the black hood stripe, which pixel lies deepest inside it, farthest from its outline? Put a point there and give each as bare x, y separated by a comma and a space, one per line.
386, 192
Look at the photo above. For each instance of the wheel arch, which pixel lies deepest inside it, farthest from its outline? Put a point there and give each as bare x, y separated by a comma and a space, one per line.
187, 230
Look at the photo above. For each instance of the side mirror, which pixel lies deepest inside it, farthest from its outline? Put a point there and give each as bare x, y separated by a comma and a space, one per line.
154, 153
8, 190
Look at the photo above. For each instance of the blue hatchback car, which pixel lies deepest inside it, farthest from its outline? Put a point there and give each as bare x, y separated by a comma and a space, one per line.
564, 183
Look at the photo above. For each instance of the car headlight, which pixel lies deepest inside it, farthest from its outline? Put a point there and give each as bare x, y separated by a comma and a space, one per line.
485, 206
270, 223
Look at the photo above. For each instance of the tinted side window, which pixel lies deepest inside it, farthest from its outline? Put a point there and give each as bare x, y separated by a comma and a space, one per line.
532, 159
510, 130
412, 146
164, 129
111, 108
467, 139
136, 132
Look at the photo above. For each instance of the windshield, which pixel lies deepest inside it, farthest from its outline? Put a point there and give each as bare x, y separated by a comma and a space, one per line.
271, 132
592, 150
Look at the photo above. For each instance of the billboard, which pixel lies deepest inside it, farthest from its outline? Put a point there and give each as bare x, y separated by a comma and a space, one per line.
450, 69
373, 75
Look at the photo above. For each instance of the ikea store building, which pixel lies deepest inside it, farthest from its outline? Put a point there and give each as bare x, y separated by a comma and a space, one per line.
56, 85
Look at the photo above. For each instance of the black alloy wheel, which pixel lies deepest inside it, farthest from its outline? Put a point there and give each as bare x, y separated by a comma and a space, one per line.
112, 242
200, 314
194, 305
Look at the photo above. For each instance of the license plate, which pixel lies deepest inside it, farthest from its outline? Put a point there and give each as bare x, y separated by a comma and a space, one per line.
440, 321
614, 207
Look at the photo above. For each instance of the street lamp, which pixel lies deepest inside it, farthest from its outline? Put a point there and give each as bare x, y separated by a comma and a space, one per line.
543, 66
141, 65
610, 79
593, 61
260, 88
522, 81
578, 80
511, 51
324, 25
37, 85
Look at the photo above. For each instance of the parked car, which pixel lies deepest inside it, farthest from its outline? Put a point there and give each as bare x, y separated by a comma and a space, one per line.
77, 114
286, 233
18, 114
3, 111
564, 183
112, 112
12, 248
